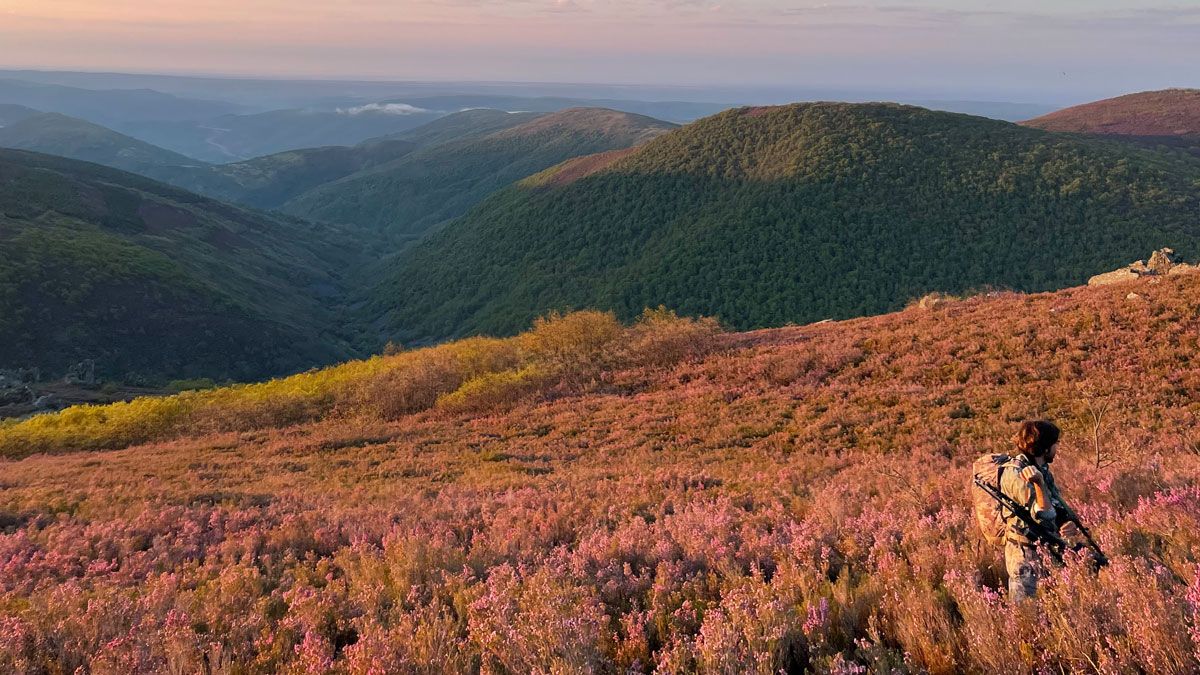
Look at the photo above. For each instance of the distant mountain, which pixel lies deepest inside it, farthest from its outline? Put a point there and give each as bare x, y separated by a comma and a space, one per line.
765, 216
152, 281
268, 182
407, 197
1169, 117
674, 111
233, 138
11, 114
56, 134
462, 125
998, 110
110, 106
263, 182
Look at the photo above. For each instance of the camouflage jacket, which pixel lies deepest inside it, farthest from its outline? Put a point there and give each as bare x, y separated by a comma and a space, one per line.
1023, 493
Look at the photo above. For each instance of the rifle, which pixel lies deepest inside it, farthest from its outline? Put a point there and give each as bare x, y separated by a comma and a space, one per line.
1068, 515
1033, 529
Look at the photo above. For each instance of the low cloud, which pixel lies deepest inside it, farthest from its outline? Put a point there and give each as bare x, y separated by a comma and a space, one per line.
383, 108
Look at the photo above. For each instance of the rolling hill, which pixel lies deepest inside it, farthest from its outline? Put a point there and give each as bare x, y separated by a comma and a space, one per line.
460, 126
404, 199
56, 134
110, 106
265, 182
270, 181
234, 138
764, 216
11, 113
1170, 117
153, 282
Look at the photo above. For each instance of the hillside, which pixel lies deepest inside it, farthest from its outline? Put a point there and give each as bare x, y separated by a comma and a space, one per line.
787, 500
462, 125
155, 283
269, 182
768, 216
11, 113
406, 198
55, 134
234, 138
109, 106
1170, 117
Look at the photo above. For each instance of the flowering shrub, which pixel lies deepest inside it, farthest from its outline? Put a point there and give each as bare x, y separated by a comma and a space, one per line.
793, 500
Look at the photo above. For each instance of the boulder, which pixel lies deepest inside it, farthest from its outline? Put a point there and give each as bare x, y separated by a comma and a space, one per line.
1161, 263
83, 372
1114, 277
15, 393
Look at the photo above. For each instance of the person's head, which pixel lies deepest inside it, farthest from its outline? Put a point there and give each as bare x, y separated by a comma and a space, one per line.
1036, 438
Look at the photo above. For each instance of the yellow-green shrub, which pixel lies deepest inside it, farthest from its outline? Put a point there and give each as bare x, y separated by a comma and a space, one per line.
662, 338
472, 374
494, 390
573, 344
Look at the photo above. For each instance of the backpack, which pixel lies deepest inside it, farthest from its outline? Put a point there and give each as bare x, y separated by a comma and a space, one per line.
988, 512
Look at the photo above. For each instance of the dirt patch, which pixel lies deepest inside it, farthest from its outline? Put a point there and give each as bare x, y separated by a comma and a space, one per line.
582, 167
759, 111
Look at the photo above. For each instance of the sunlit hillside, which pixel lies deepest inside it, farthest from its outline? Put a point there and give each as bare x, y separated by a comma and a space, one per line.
793, 214
659, 497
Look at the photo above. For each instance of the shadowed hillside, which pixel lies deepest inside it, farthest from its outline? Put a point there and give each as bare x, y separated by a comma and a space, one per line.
154, 282
55, 134
766, 216
406, 198
650, 499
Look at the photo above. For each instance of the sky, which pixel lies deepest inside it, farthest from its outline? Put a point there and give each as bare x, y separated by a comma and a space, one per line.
1015, 49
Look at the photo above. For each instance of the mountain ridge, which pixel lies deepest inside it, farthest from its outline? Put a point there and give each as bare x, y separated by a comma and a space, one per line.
877, 202
431, 185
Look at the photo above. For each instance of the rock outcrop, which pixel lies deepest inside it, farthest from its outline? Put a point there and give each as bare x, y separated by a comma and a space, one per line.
1162, 262
14, 388
83, 372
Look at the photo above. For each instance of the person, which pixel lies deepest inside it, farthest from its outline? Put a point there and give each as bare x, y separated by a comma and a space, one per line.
1028, 480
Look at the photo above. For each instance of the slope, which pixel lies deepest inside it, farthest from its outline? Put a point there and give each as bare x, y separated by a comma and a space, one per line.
406, 198
110, 106
767, 216
11, 113
1170, 117
55, 134
462, 125
792, 502
269, 182
234, 138
154, 282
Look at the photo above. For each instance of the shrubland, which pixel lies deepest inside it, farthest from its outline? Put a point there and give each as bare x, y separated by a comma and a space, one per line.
784, 500
565, 351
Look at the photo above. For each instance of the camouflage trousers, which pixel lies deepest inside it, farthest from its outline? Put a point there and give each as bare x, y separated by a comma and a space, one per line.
1024, 568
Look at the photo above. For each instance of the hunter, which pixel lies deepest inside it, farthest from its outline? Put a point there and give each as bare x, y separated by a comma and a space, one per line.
1028, 480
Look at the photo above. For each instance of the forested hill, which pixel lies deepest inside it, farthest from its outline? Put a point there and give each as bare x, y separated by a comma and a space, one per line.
56, 134
1169, 117
765, 216
405, 198
156, 283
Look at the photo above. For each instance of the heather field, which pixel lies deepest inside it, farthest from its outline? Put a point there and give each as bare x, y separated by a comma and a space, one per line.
591, 498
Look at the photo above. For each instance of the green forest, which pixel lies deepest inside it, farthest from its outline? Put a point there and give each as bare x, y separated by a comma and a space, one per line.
769, 216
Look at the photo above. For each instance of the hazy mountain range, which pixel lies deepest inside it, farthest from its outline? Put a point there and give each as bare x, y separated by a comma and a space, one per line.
759, 215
